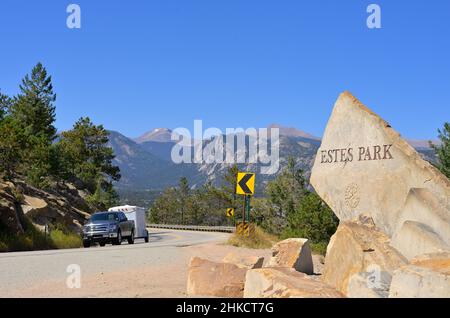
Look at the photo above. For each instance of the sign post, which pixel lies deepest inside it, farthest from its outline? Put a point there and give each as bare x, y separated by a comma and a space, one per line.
245, 185
247, 207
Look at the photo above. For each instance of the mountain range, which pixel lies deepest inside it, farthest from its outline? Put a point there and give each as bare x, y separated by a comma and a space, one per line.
147, 168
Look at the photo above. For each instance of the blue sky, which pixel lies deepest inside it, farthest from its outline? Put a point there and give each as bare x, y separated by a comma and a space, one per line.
136, 65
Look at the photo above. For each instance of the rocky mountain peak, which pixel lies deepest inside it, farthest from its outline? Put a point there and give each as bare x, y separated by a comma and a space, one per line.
157, 135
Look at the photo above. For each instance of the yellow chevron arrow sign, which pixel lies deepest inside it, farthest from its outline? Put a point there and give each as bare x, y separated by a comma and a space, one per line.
245, 183
230, 212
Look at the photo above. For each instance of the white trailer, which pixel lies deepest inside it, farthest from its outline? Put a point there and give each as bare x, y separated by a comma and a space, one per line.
137, 214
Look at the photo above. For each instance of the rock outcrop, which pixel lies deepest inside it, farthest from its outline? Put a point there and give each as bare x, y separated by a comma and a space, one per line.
364, 166
248, 262
359, 252
9, 217
428, 276
207, 278
282, 282
64, 205
293, 253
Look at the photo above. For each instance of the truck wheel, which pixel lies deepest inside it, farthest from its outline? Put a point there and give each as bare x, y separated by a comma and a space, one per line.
131, 238
86, 244
146, 238
118, 240
102, 244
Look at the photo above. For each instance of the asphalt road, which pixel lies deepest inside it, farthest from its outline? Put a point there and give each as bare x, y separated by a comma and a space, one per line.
26, 270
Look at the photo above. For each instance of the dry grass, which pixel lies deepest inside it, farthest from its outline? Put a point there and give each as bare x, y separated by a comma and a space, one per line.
65, 240
33, 239
259, 240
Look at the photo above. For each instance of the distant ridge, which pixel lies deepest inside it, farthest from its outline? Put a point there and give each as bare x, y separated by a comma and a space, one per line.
163, 135
422, 144
293, 132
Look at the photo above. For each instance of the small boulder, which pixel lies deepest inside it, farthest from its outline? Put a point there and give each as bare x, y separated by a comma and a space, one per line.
293, 253
428, 276
357, 249
282, 282
34, 206
248, 262
207, 278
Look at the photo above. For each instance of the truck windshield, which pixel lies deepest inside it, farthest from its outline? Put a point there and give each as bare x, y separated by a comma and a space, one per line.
104, 217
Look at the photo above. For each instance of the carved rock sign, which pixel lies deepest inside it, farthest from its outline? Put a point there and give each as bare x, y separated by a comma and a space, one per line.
364, 167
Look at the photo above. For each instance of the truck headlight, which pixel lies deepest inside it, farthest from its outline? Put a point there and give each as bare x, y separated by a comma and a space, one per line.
112, 227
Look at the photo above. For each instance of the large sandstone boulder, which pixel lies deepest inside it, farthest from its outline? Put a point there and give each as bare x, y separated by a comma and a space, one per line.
293, 253
359, 252
282, 282
428, 276
248, 262
364, 166
207, 278
420, 227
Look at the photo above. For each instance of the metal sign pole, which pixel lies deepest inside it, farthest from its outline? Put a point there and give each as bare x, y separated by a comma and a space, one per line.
243, 211
248, 198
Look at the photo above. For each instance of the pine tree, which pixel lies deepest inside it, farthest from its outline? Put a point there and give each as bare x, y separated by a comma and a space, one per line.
443, 150
5, 104
33, 111
164, 208
286, 191
228, 188
184, 192
12, 142
84, 155
105, 196
34, 107
313, 219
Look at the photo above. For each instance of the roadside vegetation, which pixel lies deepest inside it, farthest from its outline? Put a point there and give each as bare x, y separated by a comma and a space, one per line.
34, 239
258, 240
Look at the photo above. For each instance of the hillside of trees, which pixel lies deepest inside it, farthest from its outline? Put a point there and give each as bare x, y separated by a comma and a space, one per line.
31, 150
